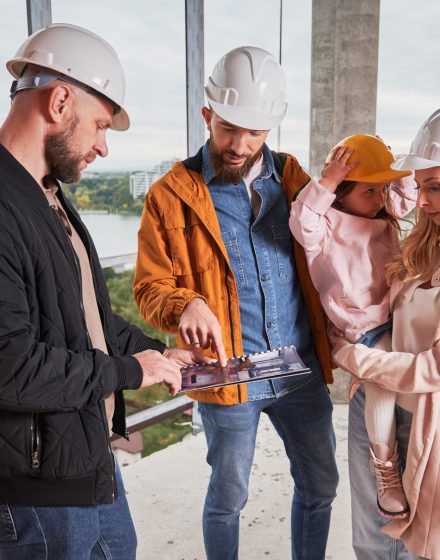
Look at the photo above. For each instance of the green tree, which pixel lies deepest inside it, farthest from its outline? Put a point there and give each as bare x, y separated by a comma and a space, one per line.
83, 200
169, 431
122, 197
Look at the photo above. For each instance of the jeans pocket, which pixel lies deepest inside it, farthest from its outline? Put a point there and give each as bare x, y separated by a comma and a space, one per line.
7, 527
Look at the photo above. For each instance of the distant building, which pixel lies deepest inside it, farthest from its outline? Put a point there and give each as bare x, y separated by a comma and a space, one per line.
141, 182
164, 166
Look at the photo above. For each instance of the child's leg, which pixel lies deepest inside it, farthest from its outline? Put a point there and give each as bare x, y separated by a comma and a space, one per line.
379, 414
381, 427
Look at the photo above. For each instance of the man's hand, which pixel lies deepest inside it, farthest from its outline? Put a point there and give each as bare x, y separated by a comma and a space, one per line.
157, 368
200, 328
336, 168
183, 357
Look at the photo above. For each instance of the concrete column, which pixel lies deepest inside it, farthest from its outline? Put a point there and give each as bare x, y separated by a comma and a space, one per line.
345, 40
39, 14
195, 62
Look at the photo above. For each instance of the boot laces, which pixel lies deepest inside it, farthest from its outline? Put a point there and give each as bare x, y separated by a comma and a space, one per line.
388, 474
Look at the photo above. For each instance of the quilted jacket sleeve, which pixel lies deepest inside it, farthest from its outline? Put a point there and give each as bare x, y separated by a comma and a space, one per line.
132, 340
33, 375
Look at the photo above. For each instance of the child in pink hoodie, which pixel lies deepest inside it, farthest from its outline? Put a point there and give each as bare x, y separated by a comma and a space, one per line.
347, 223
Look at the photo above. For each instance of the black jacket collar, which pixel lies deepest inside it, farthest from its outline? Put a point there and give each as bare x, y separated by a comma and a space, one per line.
14, 174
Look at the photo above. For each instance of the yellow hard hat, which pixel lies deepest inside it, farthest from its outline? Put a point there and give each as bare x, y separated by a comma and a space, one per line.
374, 158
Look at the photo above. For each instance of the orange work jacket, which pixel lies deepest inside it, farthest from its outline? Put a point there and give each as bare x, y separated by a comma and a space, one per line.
181, 256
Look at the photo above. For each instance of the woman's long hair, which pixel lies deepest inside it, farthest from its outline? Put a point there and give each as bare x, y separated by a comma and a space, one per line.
419, 252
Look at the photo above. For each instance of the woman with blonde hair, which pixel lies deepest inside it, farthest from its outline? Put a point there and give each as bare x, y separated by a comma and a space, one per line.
412, 368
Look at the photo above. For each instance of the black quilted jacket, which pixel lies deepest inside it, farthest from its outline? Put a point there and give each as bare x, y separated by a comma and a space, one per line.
54, 445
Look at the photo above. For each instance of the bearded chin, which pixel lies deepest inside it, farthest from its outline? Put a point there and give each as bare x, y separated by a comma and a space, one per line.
231, 173
62, 163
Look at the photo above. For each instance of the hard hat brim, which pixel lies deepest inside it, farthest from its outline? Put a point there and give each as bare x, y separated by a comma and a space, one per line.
414, 162
120, 121
246, 118
380, 177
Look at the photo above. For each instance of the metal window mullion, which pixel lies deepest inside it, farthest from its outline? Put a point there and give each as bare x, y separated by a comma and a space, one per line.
195, 61
39, 14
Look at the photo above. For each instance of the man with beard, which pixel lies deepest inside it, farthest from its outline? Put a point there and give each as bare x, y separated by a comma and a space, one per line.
216, 264
64, 355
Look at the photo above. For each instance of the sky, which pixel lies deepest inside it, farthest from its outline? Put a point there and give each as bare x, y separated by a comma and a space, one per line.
149, 37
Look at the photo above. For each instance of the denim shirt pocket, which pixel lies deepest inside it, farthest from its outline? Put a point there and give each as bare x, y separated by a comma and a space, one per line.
7, 526
282, 239
231, 243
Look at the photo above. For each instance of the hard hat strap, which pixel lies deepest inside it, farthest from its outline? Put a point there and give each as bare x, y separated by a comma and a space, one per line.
40, 78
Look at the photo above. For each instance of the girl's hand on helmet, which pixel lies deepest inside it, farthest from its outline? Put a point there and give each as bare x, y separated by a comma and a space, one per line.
337, 167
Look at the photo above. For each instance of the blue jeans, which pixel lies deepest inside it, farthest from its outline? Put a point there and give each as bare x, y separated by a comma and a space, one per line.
372, 337
68, 533
303, 419
369, 543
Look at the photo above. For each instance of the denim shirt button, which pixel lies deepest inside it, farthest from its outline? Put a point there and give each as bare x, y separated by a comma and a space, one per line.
264, 277
269, 325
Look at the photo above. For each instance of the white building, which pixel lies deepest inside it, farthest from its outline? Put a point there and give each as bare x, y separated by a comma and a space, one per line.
141, 182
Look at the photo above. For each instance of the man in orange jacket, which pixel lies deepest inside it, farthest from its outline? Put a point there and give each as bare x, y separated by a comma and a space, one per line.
217, 264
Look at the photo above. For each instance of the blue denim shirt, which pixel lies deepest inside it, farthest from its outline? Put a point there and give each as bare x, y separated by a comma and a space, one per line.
272, 309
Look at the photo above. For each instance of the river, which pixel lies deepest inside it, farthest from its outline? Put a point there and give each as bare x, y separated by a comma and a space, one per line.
113, 234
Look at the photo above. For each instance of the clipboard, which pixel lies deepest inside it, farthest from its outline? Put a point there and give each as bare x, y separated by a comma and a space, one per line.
272, 364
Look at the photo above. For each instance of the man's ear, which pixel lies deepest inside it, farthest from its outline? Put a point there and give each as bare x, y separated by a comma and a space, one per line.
207, 115
60, 103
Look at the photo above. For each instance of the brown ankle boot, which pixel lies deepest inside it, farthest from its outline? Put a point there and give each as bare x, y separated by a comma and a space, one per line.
391, 498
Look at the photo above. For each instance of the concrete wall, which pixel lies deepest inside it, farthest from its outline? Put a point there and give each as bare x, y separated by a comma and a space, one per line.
345, 37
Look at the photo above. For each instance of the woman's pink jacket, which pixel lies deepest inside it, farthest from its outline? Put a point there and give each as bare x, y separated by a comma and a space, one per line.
417, 374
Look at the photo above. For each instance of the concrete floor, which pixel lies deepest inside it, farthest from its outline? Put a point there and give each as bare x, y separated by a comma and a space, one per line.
166, 492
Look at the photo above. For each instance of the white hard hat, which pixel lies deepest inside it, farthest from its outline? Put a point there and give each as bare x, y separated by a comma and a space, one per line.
425, 149
78, 56
248, 89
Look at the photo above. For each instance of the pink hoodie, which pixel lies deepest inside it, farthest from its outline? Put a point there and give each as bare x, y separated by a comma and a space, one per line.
347, 255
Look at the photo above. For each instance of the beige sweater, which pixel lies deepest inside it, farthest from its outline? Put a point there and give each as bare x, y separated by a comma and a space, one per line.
91, 311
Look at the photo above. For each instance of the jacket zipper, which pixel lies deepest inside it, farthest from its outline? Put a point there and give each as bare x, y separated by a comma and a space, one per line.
101, 313
102, 407
109, 448
78, 274
104, 415
35, 442
89, 340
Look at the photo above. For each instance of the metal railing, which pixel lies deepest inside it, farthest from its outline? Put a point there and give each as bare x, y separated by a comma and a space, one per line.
155, 414
118, 262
